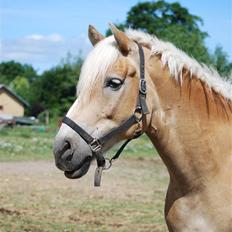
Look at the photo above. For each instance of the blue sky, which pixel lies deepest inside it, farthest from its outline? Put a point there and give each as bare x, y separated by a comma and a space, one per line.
42, 32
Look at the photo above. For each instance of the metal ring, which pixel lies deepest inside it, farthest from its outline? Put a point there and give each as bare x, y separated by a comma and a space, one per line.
107, 167
138, 114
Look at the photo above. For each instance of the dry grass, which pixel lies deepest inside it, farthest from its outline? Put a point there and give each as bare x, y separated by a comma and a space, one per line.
36, 197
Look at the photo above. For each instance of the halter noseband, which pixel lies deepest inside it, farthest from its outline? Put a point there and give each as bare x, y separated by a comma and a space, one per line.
97, 144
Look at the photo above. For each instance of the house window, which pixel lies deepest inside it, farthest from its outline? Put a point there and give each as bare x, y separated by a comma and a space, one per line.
1, 107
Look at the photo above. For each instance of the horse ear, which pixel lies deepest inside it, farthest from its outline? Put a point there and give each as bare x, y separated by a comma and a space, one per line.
94, 35
124, 42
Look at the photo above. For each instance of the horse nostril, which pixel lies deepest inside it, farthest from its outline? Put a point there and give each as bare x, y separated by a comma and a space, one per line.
66, 146
66, 151
69, 157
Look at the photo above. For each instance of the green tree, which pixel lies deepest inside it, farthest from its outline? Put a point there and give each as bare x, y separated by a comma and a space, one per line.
154, 17
170, 22
55, 89
21, 86
222, 63
10, 70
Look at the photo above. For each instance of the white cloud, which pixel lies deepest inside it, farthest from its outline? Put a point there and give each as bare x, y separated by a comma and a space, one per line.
35, 37
42, 51
53, 37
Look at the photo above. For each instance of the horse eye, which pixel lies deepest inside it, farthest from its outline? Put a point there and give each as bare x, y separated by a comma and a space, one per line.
114, 83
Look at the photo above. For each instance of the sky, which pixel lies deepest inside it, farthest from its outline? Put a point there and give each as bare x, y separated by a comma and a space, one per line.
42, 32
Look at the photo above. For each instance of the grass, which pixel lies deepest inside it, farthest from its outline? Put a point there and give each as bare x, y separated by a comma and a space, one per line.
89, 216
28, 143
45, 201
35, 196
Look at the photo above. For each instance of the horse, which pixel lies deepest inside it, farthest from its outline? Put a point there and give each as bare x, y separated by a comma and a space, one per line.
189, 122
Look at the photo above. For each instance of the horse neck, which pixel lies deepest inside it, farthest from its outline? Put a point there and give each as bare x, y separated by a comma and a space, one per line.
188, 126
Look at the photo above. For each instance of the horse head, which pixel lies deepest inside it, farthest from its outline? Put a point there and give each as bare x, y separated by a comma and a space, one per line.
107, 97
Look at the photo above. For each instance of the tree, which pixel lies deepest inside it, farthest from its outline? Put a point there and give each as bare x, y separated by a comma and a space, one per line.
55, 89
221, 62
154, 17
170, 22
21, 86
10, 70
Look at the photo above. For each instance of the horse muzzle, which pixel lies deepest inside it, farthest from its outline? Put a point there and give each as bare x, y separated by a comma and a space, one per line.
72, 158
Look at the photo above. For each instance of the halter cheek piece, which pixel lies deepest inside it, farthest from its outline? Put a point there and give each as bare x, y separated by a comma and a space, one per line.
97, 144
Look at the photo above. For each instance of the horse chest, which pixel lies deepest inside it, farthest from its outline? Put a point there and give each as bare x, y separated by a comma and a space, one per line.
187, 214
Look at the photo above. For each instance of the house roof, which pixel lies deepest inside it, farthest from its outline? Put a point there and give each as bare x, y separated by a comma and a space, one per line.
14, 95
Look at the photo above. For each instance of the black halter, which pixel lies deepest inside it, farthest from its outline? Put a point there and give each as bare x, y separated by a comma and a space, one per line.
96, 144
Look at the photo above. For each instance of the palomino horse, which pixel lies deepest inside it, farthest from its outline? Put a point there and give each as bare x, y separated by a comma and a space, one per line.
189, 122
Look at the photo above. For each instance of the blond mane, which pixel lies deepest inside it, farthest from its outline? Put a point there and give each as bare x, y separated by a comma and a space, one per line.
106, 53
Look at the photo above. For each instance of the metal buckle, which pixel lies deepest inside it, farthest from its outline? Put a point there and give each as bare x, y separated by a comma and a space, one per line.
95, 145
138, 114
143, 87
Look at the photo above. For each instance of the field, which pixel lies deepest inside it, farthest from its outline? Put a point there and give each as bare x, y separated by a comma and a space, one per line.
36, 197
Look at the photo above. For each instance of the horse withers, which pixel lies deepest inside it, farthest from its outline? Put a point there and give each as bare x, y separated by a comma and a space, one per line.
189, 121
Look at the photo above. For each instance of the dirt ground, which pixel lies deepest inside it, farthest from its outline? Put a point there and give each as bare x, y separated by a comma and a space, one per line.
35, 196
